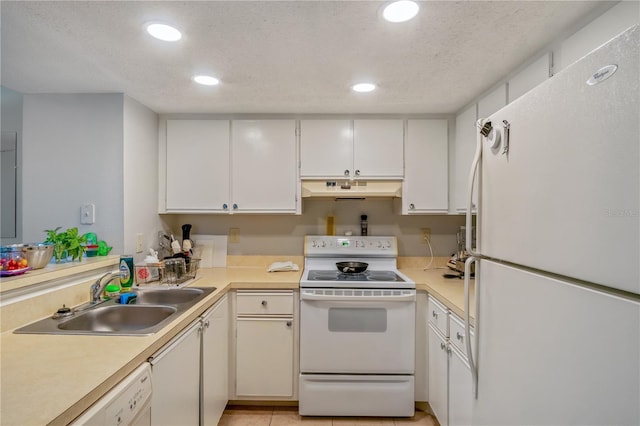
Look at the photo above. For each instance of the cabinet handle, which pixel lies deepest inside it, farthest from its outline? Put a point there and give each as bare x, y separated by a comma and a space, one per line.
442, 346
225, 207
449, 351
357, 172
289, 323
235, 206
346, 172
412, 206
434, 314
263, 303
459, 336
207, 324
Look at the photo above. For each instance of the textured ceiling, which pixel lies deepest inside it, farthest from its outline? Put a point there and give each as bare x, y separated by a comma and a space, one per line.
277, 56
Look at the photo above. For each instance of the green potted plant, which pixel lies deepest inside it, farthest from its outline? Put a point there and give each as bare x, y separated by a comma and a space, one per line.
67, 243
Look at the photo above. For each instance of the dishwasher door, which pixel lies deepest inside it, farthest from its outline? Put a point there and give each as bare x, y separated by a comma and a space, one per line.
128, 403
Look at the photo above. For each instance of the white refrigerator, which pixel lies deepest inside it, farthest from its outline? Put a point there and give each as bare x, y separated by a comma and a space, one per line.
558, 248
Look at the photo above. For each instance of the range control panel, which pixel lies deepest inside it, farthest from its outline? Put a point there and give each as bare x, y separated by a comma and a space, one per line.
328, 246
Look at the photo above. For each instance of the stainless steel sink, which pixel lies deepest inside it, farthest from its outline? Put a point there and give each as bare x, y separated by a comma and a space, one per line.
119, 318
151, 311
173, 296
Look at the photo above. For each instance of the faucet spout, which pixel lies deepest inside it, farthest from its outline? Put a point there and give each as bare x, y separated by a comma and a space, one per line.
98, 287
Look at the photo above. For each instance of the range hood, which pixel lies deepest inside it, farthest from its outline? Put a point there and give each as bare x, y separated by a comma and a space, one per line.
351, 189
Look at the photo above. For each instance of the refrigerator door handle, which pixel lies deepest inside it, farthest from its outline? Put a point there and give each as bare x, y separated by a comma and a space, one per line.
467, 322
472, 178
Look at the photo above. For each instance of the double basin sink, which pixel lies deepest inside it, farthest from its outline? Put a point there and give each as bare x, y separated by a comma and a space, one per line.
150, 311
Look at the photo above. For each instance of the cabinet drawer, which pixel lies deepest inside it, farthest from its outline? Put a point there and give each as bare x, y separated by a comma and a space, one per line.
456, 330
438, 316
265, 303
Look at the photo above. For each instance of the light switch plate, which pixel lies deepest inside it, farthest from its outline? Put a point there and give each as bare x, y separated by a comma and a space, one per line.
88, 214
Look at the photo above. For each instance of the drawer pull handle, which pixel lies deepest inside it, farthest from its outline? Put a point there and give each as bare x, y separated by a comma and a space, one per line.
459, 336
442, 346
434, 314
264, 303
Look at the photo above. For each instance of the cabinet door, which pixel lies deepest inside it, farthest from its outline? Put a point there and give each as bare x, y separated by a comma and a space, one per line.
263, 165
460, 390
464, 150
264, 357
176, 380
378, 148
215, 362
422, 345
425, 188
326, 148
197, 165
438, 372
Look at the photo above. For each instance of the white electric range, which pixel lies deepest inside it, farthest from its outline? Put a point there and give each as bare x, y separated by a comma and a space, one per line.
357, 330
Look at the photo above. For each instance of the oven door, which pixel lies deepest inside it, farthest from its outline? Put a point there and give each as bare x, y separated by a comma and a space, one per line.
360, 331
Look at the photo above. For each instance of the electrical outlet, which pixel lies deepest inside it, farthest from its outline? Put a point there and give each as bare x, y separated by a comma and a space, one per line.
234, 235
139, 243
426, 235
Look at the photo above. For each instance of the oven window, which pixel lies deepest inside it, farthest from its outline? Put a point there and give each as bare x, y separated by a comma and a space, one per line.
358, 320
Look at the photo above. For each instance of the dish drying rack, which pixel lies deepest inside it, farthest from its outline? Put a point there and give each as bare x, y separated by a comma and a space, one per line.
161, 275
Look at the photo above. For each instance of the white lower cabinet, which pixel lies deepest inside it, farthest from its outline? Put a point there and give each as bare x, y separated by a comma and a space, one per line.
460, 389
176, 380
264, 357
190, 373
215, 362
438, 375
450, 381
264, 347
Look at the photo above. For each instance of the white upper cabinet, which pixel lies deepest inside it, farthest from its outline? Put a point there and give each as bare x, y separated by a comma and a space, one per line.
352, 149
326, 148
222, 166
464, 150
425, 188
263, 166
197, 165
378, 148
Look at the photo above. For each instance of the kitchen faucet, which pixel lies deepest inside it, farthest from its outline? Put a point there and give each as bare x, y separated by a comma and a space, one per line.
98, 287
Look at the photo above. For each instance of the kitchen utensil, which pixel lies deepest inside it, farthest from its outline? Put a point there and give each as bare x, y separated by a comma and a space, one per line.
352, 267
175, 245
186, 241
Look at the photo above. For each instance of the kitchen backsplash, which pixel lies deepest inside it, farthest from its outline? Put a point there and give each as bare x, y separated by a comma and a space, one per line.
283, 234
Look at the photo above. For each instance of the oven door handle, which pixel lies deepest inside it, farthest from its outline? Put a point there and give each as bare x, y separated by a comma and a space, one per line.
403, 297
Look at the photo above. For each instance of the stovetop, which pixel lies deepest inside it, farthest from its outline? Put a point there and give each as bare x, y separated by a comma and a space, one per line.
324, 275
379, 252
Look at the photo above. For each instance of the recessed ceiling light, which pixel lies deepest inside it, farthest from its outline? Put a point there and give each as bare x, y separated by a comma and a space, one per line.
400, 11
164, 32
206, 80
363, 87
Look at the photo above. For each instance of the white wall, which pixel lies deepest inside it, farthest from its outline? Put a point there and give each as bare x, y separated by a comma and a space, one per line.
73, 154
140, 177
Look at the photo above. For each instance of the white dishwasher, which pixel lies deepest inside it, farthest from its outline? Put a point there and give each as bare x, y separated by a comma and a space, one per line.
128, 403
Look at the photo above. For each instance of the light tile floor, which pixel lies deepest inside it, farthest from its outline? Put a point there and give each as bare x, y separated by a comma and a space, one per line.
286, 416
